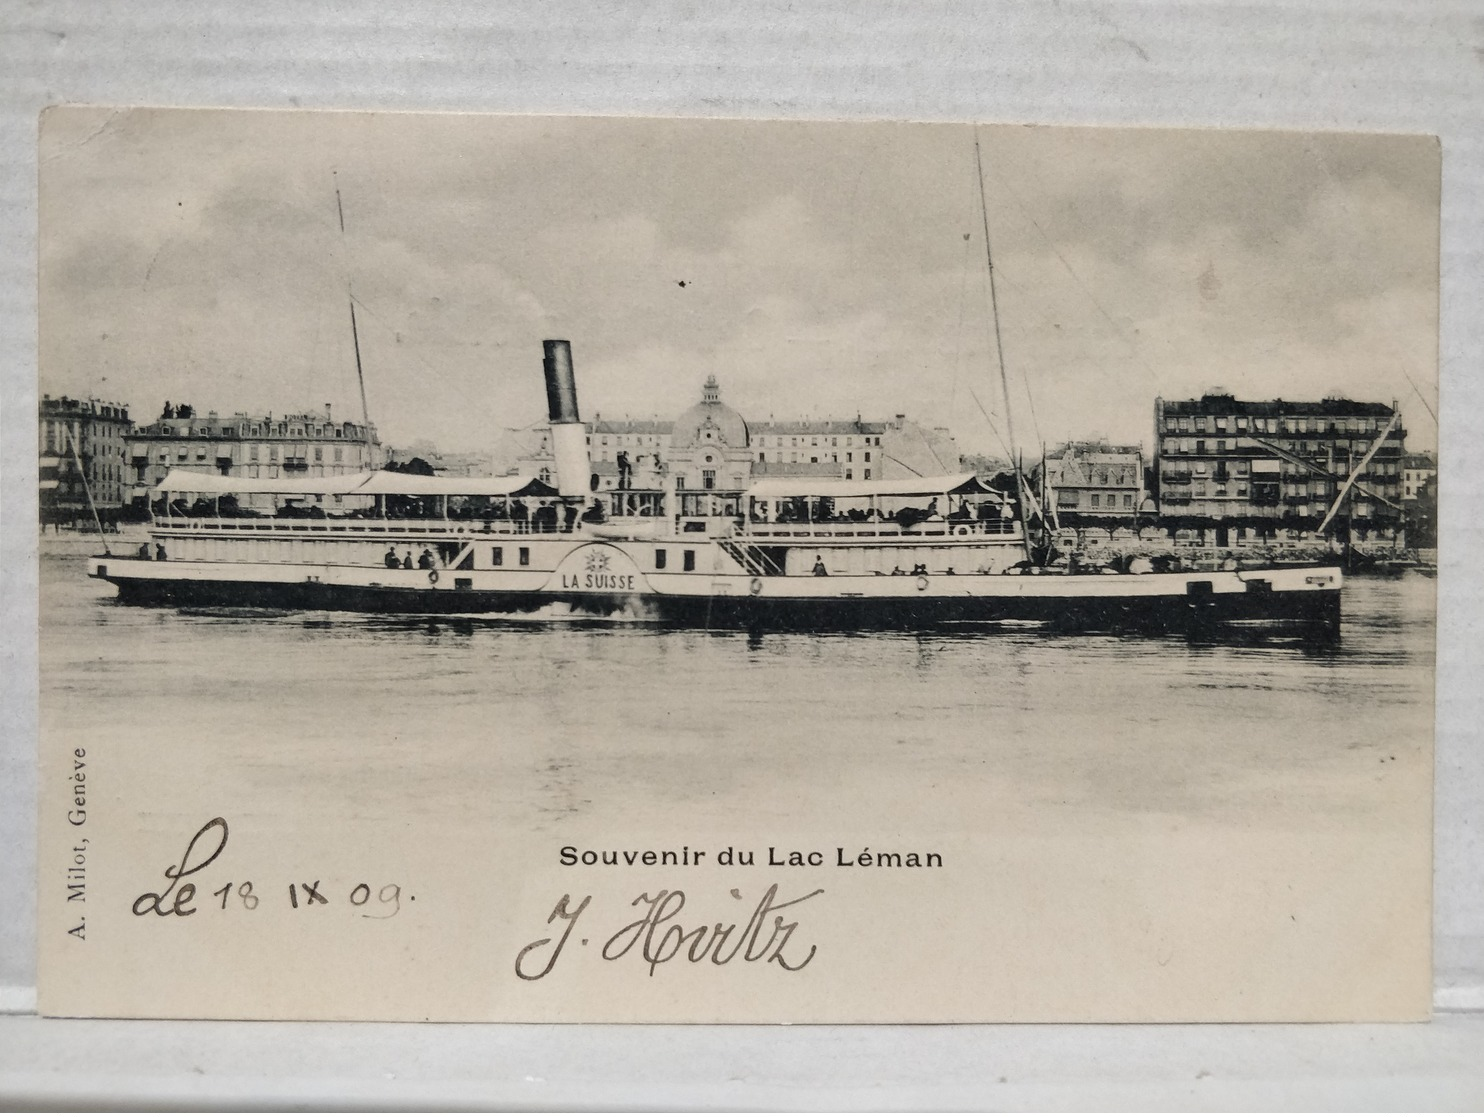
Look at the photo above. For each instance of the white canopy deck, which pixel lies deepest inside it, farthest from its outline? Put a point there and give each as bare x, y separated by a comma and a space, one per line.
379, 482
783, 488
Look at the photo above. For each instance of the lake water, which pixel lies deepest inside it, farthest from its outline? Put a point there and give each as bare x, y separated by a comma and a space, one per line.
712, 710
1085, 769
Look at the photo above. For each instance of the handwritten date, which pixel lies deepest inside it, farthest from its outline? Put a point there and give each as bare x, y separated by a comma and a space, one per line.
178, 897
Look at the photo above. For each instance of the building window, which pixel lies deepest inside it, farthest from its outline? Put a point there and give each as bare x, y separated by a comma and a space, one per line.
865, 474
525, 556
1097, 500
659, 559
688, 560
319, 453
708, 478
497, 556
1128, 500
848, 475
868, 458
339, 453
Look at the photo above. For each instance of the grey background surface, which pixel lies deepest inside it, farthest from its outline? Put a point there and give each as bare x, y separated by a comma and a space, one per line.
1374, 65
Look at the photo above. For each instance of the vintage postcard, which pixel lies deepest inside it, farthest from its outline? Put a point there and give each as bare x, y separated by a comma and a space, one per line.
577, 569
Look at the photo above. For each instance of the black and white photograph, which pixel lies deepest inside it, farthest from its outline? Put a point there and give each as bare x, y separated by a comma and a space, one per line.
580, 569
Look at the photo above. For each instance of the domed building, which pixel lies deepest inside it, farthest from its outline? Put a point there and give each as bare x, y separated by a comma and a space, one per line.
709, 450
709, 455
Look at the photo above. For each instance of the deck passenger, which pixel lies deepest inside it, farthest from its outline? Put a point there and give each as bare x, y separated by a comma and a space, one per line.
819, 567
407, 560
425, 560
160, 555
391, 558
144, 550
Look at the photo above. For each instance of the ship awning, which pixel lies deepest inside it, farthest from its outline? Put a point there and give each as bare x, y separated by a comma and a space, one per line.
380, 483
777, 488
386, 483
214, 484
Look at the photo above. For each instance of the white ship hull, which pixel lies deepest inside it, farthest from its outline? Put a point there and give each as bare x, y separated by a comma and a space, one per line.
522, 573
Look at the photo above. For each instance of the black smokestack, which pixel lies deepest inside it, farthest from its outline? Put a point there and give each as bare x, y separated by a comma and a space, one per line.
561, 388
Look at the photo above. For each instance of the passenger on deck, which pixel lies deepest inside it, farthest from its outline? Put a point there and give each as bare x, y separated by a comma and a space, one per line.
425, 560
919, 568
144, 550
897, 570
160, 555
570, 516
407, 561
518, 512
391, 558
819, 567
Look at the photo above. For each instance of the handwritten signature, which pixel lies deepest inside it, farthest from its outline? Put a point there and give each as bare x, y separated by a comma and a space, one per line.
659, 936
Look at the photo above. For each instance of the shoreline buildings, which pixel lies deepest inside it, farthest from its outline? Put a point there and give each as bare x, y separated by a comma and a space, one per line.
1243, 470
92, 432
1224, 472
709, 454
307, 444
1095, 483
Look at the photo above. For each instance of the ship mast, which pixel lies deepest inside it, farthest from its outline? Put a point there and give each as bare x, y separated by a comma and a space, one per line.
999, 351
355, 337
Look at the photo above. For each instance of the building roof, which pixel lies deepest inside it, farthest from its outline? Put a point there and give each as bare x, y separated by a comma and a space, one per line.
709, 421
632, 426
1096, 452
818, 426
1228, 405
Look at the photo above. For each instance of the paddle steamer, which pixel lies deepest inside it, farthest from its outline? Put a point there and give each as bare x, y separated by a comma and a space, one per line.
805, 552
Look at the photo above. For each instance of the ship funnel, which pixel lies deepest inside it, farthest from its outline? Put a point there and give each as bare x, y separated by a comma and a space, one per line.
568, 435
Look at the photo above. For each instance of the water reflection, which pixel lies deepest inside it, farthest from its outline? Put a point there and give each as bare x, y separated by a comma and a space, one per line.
529, 713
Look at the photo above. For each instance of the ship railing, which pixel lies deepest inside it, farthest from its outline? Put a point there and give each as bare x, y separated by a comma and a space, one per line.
348, 525
932, 529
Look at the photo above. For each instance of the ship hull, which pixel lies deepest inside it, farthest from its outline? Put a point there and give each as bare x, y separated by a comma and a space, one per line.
1308, 597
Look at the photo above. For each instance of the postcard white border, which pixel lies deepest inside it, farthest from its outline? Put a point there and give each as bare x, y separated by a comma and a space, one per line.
1382, 65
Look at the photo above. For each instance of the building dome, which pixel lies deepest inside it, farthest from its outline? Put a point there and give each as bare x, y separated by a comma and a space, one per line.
709, 423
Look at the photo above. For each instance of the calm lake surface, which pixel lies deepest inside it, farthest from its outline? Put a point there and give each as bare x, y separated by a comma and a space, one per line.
551, 715
1129, 828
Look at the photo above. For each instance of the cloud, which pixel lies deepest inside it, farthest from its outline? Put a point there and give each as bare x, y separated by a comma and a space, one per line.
815, 268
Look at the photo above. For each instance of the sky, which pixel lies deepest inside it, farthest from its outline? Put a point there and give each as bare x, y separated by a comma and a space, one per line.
816, 269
